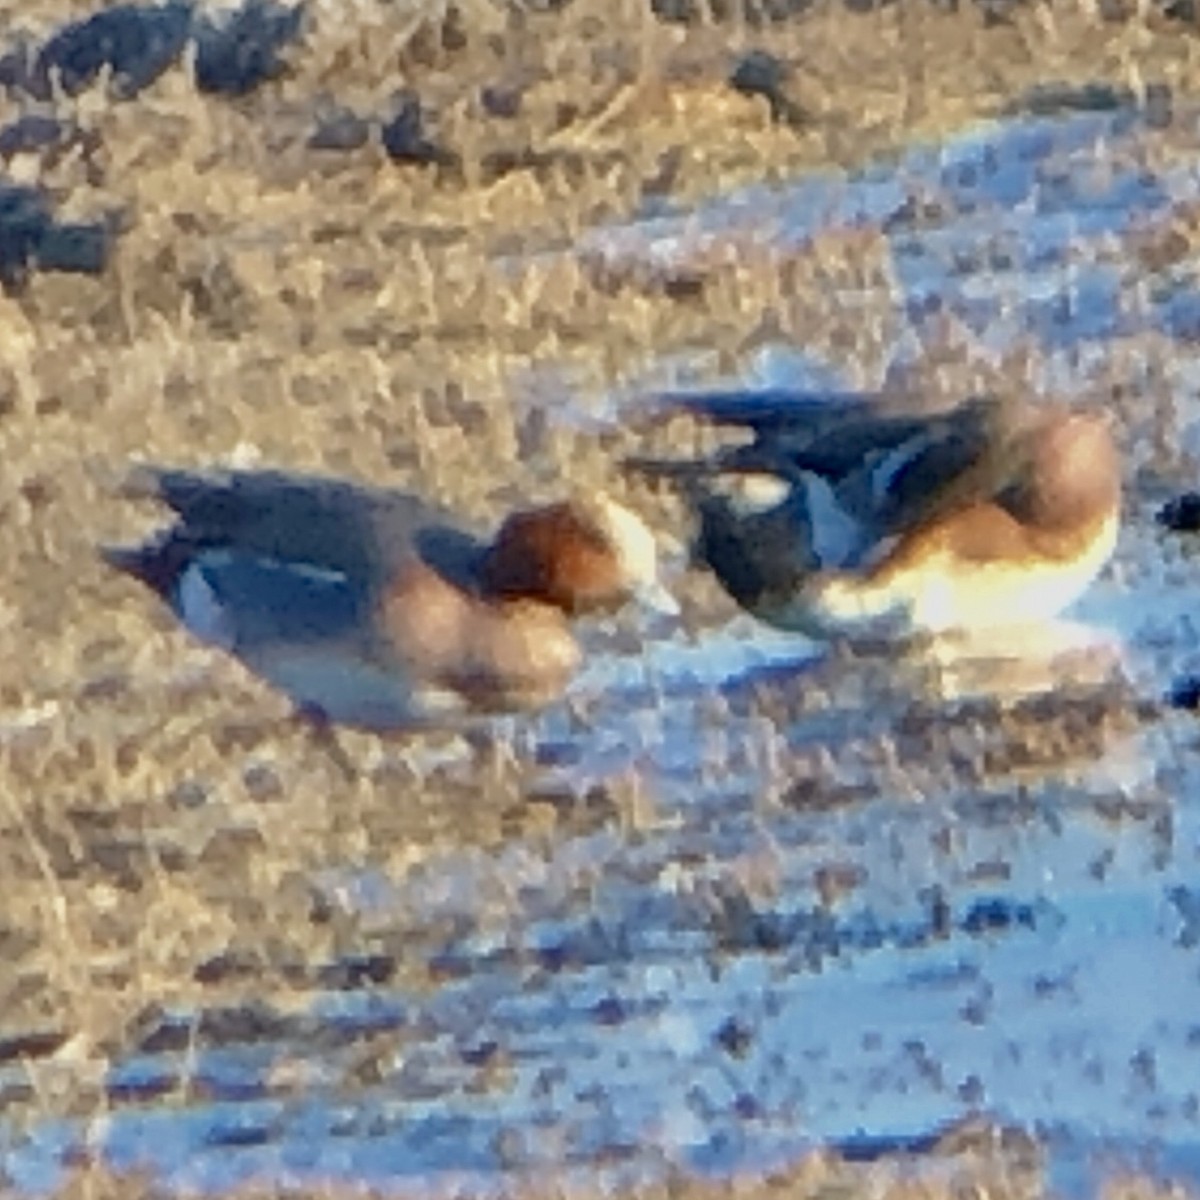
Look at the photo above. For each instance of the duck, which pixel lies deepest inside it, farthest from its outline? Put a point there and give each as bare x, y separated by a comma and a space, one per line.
852, 515
378, 609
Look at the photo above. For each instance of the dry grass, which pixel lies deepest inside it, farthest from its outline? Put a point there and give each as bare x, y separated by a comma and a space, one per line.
970, 1161
980, 1166
344, 313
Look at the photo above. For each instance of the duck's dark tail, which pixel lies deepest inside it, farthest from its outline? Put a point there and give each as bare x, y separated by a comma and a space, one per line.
157, 564
695, 477
678, 471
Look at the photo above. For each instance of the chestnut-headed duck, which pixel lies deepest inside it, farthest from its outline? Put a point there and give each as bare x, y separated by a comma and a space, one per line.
376, 609
850, 515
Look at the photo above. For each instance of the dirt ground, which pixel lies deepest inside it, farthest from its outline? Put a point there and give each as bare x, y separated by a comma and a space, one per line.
161, 821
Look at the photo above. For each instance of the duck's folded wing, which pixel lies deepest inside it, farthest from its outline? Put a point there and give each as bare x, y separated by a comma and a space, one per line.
329, 524
245, 603
976, 454
893, 442
825, 432
829, 433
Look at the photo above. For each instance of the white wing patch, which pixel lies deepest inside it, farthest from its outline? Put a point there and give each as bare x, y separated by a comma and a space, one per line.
751, 493
201, 610
838, 540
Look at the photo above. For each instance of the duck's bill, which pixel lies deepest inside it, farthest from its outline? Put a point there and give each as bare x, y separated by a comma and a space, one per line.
655, 596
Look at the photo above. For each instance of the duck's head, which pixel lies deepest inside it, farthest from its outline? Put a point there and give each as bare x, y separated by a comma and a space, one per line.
581, 555
1072, 474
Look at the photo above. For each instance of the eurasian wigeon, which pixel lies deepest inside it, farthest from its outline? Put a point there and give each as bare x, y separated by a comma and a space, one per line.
377, 609
849, 515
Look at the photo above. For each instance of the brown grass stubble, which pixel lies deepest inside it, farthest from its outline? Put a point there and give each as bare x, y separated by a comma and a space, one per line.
341, 313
